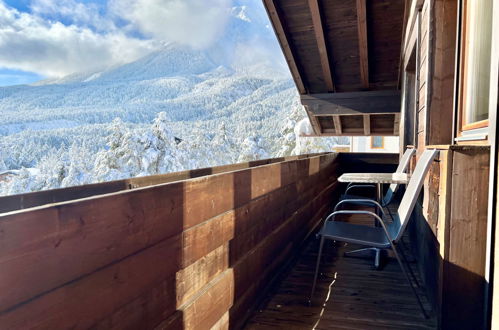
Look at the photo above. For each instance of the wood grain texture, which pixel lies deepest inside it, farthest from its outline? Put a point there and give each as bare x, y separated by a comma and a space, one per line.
367, 125
363, 50
189, 237
29, 200
464, 272
443, 48
337, 125
321, 44
286, 47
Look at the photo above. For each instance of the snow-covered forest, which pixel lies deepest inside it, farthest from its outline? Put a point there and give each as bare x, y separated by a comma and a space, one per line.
175, 108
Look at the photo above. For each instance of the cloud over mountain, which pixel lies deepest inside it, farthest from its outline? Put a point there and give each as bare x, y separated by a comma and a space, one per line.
29, 42
56, 38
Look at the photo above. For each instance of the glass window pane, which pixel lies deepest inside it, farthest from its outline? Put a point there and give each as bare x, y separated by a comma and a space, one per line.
376, 142
477, 59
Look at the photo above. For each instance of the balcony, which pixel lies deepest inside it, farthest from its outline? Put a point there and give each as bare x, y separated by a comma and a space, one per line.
229, 246
351, 294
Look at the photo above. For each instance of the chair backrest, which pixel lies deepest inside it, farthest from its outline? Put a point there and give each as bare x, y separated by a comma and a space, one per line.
401, 168
411, 194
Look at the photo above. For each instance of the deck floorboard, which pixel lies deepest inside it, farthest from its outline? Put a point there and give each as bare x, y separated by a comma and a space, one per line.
350, 294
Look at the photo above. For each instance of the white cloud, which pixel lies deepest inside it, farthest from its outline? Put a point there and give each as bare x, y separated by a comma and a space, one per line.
196, 23
30, 43
81, 14
60, 37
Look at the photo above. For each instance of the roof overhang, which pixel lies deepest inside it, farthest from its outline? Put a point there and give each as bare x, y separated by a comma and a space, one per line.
344, 56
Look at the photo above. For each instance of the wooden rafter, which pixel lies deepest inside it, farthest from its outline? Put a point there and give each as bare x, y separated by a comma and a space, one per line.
285, 45
321, 44
337, 124
353, 103
363, 51
367, 124
396, 124
313, 121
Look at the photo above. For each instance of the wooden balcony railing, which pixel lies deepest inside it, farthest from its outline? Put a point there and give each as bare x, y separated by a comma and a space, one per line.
162, 251
198, 249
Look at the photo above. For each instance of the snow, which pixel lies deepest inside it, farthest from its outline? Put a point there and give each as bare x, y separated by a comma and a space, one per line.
232, 102
304, 128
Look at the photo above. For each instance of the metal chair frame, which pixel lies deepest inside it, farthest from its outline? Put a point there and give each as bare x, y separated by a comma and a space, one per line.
392, 231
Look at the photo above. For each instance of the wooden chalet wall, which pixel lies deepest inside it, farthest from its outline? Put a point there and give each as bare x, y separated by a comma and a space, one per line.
448, 235
449, 229
431, 33
192, 254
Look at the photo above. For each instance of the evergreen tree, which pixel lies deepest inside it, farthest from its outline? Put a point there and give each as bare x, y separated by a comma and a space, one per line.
251, 149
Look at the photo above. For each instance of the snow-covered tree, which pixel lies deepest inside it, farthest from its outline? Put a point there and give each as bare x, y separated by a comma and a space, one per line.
287, 139
122, 158
160, 153
251, 149
79, 169
132, 154
223, 147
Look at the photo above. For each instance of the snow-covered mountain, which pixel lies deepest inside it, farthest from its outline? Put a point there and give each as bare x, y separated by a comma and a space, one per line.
240, 83
189, 84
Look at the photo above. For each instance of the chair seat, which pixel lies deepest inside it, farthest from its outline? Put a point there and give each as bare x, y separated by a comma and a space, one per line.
356, 234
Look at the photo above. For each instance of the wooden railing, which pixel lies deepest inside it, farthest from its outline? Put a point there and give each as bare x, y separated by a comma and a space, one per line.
28, 200
190, 254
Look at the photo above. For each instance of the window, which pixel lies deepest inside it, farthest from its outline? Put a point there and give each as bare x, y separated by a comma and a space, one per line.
476, 41
377, 142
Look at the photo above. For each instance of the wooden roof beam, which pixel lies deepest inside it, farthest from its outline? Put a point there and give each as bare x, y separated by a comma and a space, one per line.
367, 124
337, 125
363, 51
352, 103
314, 121
321, 44
396, 124
283, 38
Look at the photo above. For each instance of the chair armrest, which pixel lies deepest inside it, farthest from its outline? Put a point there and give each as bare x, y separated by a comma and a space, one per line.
360, 201
352, 186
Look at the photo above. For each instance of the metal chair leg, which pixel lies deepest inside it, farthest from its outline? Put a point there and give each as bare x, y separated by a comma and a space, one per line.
317, 269
410, 283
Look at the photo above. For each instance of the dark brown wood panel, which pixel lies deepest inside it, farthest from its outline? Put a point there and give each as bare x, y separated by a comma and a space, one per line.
201, 243
353, 103
464, 273
385, 20
342, 35
34, 199
298, 20
442, 72
358, 42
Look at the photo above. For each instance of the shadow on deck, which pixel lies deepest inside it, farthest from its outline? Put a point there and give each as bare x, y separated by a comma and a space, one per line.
350, 294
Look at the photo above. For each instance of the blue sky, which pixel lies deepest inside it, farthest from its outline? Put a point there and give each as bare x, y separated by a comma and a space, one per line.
10, 77
53, 38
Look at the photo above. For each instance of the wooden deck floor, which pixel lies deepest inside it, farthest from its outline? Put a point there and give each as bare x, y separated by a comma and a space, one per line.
350, 295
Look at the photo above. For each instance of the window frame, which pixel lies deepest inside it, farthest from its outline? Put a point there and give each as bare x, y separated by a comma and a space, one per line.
464, 128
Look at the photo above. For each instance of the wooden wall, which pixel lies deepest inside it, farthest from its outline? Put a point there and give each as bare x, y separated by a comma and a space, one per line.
193, 254
432, 27
441, 68
448, 233
422, 67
